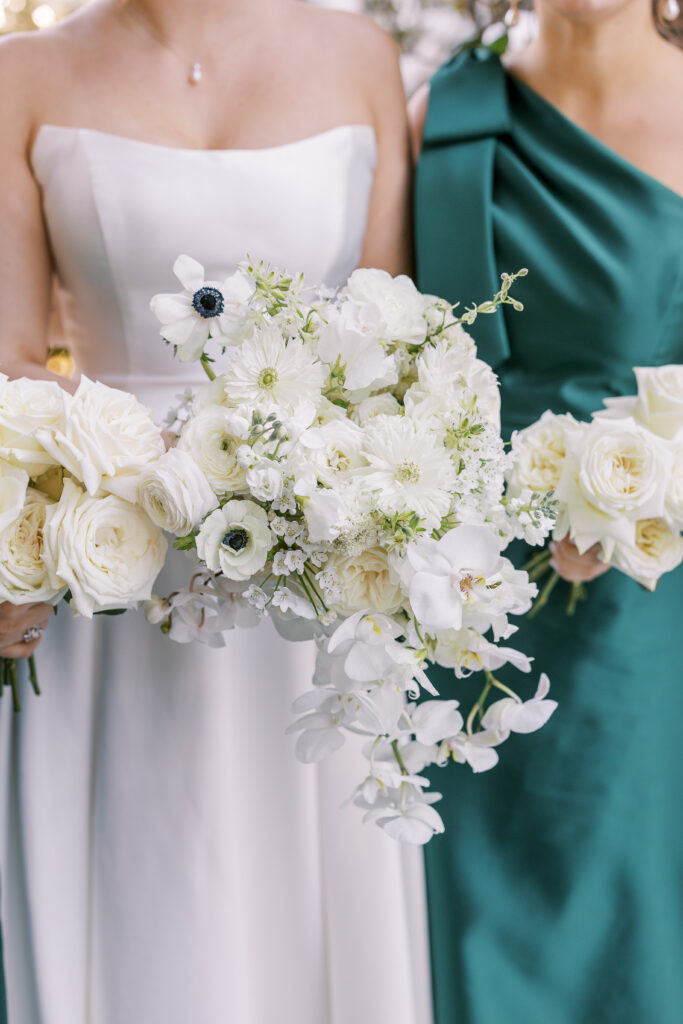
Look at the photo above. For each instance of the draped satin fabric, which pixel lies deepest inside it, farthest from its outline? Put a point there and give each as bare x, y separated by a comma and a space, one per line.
555, 894
164, 858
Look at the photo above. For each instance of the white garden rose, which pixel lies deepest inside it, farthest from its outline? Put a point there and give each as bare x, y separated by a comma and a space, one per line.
376, 405
657, 550
107, 441
367, 581
27, 407
107, 551
235, 539
334, 450
24, 578
213, 438
175, 494
538, 453
13, 484
658, 404
673, 510
400, 305
614, 474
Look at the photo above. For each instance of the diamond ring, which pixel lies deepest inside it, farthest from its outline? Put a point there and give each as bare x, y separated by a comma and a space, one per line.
31, 634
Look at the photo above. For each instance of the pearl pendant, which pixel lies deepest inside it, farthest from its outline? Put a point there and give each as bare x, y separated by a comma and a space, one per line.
195, 76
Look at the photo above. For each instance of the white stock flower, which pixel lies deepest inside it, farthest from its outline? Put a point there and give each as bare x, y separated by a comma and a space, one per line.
450, 573
235, 539
366, 581
510, 715
213, 438
203, 309
108, 440
27, 406
24, 578
657, 549
538, 454
269, 371
615, 472
408, 470
175, 494
400, 305
107, 551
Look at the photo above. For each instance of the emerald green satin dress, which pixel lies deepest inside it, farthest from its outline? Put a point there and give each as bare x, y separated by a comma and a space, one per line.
556, 893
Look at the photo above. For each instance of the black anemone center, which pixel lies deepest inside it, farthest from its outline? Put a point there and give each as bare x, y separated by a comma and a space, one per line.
236, 539
208, 302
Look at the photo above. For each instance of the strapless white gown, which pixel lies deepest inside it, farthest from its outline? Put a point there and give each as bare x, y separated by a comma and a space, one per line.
164, 858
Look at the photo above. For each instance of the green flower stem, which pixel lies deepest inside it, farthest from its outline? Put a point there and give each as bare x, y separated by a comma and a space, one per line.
544, 596
479, 705
307, 592
33, 675
540, 558
206, 365
577, 593
14, 683
506, 689
399, 759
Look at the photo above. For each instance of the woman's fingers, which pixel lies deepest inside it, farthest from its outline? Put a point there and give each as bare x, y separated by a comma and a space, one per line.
18, 620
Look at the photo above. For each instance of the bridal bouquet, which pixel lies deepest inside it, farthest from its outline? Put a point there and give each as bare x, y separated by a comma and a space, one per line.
618, 480
69, 523
343, 474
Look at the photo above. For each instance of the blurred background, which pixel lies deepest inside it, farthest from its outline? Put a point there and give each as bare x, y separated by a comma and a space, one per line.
429, 31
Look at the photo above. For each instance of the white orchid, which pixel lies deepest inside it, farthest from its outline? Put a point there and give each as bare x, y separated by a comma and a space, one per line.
515, 715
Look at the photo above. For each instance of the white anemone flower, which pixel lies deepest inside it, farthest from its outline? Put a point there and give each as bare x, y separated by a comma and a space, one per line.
409, 471
202, 310
269, 371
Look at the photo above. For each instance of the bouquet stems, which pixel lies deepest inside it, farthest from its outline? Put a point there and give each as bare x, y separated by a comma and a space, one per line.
9, 676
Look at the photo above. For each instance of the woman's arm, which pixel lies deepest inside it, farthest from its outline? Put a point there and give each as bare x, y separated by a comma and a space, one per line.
388, 237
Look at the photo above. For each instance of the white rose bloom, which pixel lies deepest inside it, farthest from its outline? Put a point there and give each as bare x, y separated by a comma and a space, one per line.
615, 473
105, 550
235, 539
367, 582
659, 403
27, 406
203, 309
108, 439
267, 371
408, 470
376, 405
213, 438
538, 455
13, 484
23, 576
334, 450
175, 494
673, 510
400, 305
657, 550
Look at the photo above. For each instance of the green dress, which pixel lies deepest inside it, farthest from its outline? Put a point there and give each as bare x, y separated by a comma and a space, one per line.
556, 894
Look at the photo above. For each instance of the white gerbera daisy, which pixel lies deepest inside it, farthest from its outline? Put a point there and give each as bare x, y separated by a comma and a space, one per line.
409, 471
203, 310
269, 371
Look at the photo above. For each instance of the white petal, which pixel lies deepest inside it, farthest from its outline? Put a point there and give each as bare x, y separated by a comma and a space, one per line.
169, 308
189, 273
472, 547
531, 716
435, 602
317, 744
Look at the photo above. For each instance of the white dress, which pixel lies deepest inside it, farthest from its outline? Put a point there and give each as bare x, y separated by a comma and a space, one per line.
164, 858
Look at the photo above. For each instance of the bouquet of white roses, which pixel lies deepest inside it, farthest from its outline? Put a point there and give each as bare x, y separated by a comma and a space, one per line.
69, 522
344, 475
618, 480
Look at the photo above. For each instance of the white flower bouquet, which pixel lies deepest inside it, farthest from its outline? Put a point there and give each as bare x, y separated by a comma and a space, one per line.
343, 474
69, 523
617, 481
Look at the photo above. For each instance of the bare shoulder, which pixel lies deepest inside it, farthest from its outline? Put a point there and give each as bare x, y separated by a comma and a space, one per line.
417, 115
354, 38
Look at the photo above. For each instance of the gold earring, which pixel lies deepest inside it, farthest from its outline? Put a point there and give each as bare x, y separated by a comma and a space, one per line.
512, 14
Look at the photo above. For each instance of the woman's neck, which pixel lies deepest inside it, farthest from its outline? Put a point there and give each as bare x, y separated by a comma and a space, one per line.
192, 22
595, 59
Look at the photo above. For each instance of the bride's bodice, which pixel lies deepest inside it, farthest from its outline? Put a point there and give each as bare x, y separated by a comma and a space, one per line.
118, 212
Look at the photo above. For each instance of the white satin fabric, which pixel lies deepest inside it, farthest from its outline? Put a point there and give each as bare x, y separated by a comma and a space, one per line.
165, 859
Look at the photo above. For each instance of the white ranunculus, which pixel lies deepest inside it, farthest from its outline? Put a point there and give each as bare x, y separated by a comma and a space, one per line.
175, 494
235, 539
615, 472
383, 404
213, 437
400, 305
107, 441
107, 551
657, 550
13, 484
367, 581
23, 576
538, 453
658, 404
26, 407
